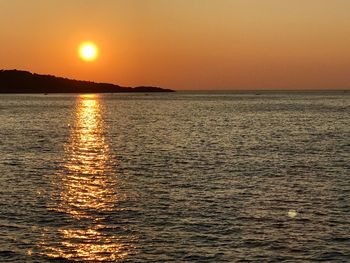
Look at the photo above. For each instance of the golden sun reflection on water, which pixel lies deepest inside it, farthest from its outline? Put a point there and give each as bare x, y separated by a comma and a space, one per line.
88, 184
88, 190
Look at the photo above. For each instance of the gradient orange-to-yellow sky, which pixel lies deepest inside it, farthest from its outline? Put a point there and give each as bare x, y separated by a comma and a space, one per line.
183, 44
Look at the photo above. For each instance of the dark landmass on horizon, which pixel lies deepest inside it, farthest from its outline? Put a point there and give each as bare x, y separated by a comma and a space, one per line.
19, 81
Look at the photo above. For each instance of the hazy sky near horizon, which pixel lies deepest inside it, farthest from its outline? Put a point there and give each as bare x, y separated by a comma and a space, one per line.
183, 44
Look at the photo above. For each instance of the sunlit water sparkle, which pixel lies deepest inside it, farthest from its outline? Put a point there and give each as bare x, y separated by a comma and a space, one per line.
208, 177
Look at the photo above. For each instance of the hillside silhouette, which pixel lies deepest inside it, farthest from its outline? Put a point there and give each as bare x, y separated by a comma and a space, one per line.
19, 81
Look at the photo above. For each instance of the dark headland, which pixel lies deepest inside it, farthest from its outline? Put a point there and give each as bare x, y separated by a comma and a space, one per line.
18, 81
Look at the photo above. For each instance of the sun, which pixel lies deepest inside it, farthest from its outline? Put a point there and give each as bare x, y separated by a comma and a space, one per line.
88, 51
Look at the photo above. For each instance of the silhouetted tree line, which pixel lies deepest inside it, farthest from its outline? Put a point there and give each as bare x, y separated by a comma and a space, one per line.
18, 81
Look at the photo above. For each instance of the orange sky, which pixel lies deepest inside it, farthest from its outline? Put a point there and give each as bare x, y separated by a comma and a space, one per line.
183, 44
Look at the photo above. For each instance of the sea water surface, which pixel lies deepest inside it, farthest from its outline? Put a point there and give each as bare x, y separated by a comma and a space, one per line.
180, 177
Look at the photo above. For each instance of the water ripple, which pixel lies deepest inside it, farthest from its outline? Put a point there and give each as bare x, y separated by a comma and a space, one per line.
180, 177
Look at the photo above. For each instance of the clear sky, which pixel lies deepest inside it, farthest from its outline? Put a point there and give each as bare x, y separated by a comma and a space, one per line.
183, 44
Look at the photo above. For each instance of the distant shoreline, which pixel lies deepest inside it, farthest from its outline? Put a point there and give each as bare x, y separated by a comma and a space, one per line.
25, 82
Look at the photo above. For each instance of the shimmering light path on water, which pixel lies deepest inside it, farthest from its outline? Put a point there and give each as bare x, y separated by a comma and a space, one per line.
88, 190
175, 177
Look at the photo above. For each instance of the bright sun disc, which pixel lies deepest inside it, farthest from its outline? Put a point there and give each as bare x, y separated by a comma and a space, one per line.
88, 51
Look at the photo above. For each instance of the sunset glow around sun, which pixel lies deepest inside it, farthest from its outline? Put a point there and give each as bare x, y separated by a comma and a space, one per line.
88, 51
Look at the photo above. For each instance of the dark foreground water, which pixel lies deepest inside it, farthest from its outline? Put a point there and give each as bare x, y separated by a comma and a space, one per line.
175, 177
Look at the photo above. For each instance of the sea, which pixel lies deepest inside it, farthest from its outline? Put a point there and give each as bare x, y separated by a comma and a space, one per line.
175, 177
